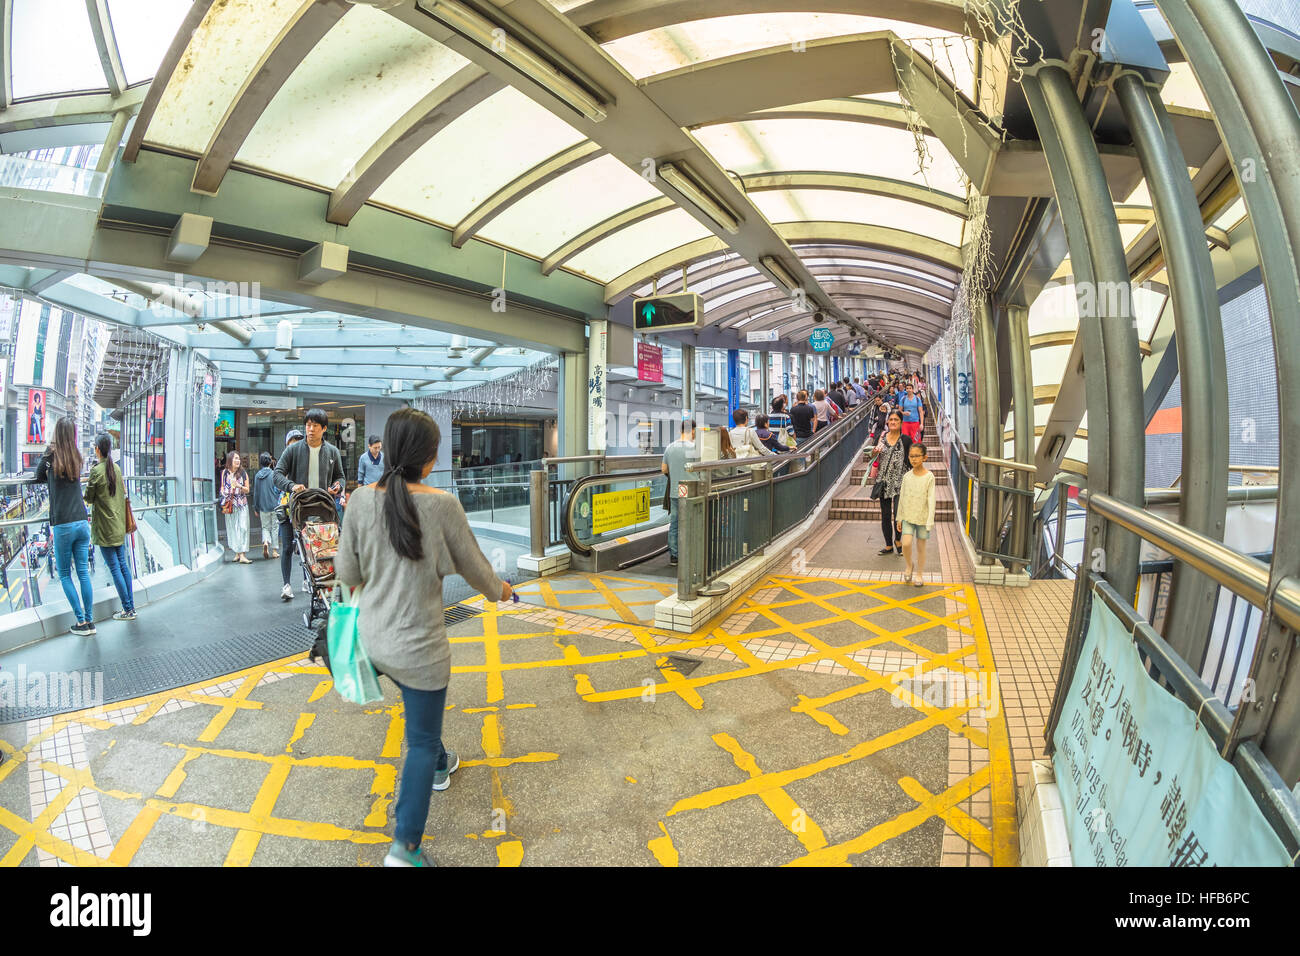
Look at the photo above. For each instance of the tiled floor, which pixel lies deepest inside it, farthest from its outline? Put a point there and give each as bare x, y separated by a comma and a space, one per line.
1026, 628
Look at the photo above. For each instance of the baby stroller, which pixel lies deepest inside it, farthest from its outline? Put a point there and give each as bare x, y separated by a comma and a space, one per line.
315, 523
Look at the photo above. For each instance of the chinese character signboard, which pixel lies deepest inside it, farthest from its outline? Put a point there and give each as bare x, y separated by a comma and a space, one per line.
821, 340
1141, 782
649, 363
597, 350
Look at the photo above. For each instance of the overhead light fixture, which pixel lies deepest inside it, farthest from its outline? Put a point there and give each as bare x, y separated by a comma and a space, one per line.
293, 355
398, 385
502, 43
293, 381
378, 4
697, 197
457, 348
779, 273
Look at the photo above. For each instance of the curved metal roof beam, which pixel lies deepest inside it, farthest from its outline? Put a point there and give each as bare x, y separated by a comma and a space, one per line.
726, 316
606, 20
891, 279
830, 249
509, 194
757, 182
848, 233
449, 100
843, 108
305, 29
166, 69
101, 26
6, 52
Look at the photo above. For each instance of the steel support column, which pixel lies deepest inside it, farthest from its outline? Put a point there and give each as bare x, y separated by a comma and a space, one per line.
990, 425
1202, 364
1022, 391
688, 382
1105, 304
764, 380
1261, 132
572, 413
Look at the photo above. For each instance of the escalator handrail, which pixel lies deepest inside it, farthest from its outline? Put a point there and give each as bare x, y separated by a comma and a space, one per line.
571, 501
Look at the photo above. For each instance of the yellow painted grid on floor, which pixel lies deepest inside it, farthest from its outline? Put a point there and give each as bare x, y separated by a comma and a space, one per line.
607, 592
972, 657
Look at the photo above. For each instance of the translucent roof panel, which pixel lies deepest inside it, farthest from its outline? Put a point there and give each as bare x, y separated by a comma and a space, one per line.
224, 50
144, 30
1182, 89
1055, 310
476, 155
627, 248
347, 92
1049, 363
570, 204
670, 48
53, 49
832, 205
767, 146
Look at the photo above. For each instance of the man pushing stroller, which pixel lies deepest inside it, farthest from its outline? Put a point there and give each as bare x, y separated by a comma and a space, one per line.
313, 463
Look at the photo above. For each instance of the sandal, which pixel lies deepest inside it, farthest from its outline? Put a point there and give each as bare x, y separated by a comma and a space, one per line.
266, 550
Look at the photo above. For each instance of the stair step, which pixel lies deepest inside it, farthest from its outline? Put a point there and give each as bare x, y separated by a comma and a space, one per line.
862, 514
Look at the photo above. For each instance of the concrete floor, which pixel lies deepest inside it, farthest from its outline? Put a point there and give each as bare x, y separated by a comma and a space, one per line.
582, 742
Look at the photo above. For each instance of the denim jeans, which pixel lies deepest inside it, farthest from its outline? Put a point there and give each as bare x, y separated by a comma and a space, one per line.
424, 755
672, 526
286, 550
119, 566
72, 543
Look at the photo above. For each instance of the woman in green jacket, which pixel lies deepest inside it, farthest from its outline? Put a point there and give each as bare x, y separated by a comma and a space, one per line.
106, 495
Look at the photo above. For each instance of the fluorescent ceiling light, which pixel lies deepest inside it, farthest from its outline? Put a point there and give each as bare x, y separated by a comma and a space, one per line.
698, 198
494, 38
779, 273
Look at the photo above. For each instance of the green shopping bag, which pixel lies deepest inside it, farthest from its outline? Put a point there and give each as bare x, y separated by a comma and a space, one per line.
354, 676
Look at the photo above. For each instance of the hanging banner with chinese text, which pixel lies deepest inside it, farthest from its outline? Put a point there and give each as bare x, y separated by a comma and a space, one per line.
597, 392
1142, 784
649, 363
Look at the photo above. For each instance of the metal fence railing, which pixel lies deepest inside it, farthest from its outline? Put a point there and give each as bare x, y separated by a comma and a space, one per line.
735, 508
1246, 579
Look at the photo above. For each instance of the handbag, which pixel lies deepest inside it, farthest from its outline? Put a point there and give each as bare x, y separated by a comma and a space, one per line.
354, 676
227, 507
130, 518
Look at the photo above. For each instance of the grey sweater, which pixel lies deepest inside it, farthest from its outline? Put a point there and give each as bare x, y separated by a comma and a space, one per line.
401, 619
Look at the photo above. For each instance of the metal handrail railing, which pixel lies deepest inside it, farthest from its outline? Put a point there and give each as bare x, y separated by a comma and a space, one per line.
707, 552
803, 452
572, 500
1241, 574
1241, 470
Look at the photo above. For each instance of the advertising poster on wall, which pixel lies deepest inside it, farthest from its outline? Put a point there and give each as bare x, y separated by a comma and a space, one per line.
225, 427
35, 358
35, 416
156, 407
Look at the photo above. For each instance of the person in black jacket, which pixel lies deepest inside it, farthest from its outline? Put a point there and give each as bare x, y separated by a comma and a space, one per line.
313, 463
60, 466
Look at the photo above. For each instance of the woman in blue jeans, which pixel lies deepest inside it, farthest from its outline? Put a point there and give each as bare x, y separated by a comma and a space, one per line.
60, 466
401, 538
106, 495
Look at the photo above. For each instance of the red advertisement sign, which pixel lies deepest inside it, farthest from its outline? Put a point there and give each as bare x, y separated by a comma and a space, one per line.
35, 416
649, 363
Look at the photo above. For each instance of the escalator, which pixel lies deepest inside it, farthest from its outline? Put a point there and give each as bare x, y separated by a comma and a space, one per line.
612, 522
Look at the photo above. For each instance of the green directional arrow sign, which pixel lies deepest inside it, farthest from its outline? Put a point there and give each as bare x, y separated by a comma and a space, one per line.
665, 313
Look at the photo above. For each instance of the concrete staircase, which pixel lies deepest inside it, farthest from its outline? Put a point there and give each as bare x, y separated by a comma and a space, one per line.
853, 502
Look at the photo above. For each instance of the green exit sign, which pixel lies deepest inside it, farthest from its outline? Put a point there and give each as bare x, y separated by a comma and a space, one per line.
664, 313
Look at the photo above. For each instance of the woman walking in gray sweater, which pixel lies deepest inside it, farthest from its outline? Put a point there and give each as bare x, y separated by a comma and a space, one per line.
400, 540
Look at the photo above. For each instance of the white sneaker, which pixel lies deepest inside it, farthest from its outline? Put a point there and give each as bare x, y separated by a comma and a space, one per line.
286, 593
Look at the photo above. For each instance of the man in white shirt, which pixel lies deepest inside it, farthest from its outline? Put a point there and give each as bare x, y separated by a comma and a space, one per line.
676, 456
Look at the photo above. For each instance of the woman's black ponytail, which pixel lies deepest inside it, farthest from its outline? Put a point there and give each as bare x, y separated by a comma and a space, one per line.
411, 441
105, 446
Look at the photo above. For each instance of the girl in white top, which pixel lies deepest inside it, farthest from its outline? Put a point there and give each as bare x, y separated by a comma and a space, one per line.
916, 512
